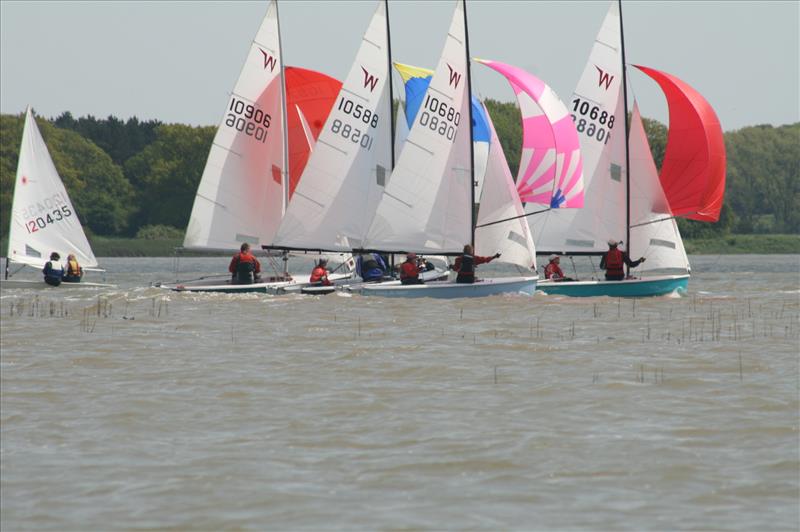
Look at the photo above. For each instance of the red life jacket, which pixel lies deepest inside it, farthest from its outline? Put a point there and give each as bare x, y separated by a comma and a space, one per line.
318, 274
553, 271
615, 262
409, 270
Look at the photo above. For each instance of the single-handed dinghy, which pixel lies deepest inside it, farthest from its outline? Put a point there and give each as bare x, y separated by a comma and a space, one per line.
43, 219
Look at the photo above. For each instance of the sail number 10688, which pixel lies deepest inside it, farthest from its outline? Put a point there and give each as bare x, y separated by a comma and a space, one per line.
597, 122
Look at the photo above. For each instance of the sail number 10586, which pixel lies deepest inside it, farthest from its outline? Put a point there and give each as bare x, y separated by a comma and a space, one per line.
595, 125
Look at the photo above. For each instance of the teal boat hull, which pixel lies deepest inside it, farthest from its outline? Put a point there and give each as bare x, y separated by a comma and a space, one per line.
647, 287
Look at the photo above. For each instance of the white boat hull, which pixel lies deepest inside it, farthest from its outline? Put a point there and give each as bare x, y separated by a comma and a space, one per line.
8, 284
271, 287
451, 290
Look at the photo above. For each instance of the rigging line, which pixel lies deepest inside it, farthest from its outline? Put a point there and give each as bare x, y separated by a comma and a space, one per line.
514, 218
676, 217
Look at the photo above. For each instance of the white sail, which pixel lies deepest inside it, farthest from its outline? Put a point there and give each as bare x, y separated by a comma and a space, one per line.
500, 201
426, 206
654, 234
241, 193
597, 108
344, 179
400, 130
43, 219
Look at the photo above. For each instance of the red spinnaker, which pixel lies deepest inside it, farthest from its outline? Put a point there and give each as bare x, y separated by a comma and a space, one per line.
315, 93
693, 172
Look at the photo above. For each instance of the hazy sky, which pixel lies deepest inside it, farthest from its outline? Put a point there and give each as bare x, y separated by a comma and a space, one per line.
177, 61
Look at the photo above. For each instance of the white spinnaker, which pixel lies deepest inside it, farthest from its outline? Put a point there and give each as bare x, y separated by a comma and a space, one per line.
596, 100
659, 241
241, 193
43, 219
426, 205
499, 201
337, 195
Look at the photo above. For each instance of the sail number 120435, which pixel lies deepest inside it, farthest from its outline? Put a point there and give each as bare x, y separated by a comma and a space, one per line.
40, 222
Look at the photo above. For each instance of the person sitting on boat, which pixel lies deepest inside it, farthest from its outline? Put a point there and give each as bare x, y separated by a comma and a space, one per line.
409, 270
371, 267
614, 261
73, 272
319, 275
53, 271
466, 263
244, 267
553, 270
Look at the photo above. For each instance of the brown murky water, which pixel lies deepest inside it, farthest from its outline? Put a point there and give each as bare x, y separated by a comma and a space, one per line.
139, 409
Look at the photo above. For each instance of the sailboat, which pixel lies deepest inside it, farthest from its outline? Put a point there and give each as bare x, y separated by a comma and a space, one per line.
43, 219
245, 186
625, 196
427, 206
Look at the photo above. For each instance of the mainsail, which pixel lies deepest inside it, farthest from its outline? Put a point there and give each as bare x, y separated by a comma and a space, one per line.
43, 219
241, 193
500, 201
336, 198
427, 204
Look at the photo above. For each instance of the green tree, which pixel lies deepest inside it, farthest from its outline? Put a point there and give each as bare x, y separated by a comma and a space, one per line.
167, 172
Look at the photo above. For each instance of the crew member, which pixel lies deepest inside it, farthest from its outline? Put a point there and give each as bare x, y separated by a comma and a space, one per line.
614, 261
553, 270
244, 267
319, 275
409, 270
53, 271
73, 271
466, 262
371, 267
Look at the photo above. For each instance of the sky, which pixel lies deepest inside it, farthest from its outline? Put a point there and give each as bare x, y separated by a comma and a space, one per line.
177, 61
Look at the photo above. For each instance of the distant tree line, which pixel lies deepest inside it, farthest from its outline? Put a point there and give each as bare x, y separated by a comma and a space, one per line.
135, 178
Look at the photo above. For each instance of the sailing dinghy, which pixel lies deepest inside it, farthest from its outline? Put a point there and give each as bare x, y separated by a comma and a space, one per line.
427, 206
625, 194
43, 219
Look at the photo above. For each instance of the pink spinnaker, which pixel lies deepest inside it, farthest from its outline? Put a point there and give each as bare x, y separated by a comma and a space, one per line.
551, 169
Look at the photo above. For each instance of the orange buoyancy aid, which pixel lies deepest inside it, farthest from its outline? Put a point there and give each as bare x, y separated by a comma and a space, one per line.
615, 262
318, 274
73, 268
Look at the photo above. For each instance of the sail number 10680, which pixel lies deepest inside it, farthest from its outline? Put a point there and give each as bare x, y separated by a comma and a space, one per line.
439, 117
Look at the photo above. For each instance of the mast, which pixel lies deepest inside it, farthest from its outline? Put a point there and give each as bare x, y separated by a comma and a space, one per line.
284, 133
284, 117
627, 140
471, 144
389, 81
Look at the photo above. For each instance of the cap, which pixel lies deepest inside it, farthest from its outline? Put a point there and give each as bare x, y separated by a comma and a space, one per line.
552, 257
612, 242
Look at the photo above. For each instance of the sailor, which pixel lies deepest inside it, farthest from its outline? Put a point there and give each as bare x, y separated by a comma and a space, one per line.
553, 270
319, 275
73, 271
53, 271
371, 266
244, 267
614, 260
409, 270
466, 262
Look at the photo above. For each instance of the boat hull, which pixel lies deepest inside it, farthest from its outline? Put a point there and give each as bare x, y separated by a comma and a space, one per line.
226, 287
452, 290
7, 284
648, 287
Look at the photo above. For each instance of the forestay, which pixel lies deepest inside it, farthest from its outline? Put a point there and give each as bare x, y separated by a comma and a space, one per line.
427, 204
43, 219
597, 109
337, 195
241, 193
500, 201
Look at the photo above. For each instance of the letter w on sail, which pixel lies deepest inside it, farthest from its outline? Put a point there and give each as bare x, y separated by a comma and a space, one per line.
269, 60
369, 80
605, 79
455, 77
